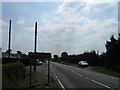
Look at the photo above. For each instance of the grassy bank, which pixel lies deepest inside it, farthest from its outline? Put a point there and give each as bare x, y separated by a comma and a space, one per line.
107, 71
15, 76
12, 75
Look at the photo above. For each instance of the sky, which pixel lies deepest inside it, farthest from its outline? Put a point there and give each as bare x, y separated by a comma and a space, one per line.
73, 27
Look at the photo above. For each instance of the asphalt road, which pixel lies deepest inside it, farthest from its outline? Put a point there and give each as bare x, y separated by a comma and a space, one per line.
77, 78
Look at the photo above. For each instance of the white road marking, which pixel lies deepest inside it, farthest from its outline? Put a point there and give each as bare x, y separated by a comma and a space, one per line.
77, 74
101, 84
85, 77
61, 84
58, 79
94, 81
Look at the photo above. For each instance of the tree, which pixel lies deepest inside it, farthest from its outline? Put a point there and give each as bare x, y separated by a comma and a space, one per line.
64, 56
113, 52
8, 51
19, 53
90, 57
55, 57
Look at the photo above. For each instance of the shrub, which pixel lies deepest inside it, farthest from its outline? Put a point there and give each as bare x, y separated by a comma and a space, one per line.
11, 74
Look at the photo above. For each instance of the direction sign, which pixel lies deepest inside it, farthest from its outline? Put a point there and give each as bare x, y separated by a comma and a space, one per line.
39, 55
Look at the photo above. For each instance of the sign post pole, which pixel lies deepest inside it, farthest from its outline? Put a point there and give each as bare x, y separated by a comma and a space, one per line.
34, 55
30, 73
48, 70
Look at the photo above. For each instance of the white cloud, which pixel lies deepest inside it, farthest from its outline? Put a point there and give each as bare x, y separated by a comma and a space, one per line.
86, 6
3, 23
73, 31
88, 30
91, 1
69, 30
21, 21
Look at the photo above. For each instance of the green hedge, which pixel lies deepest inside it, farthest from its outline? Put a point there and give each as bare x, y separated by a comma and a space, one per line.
11, 74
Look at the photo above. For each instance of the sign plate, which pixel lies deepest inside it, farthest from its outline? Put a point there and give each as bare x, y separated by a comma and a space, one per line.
39, 55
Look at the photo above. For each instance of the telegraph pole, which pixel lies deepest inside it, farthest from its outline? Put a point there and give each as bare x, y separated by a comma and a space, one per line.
9, 39
35, 45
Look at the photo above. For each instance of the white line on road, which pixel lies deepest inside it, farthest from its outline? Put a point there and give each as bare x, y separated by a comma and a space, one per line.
93, 81
101, 84
85, 77
61, 84
77, 74
58, 79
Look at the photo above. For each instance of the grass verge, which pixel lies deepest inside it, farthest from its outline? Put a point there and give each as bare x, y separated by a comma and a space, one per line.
107, 71
16, 77
40, 80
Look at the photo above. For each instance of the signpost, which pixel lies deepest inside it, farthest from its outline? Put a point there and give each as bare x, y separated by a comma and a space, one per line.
39, 55
49, 71
33, 55
30, 72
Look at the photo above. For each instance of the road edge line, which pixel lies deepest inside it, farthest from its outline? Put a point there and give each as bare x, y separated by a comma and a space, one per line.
58, 79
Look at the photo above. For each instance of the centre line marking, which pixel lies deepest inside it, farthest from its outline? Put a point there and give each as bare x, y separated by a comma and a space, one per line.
77, 74
101, 84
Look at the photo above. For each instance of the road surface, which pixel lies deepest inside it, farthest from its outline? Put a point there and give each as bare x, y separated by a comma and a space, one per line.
77, 78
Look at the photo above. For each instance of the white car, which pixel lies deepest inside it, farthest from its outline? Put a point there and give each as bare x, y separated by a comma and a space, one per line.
38, 62
82, 64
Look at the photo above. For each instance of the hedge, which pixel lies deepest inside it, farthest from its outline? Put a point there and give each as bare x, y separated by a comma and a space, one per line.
11, 74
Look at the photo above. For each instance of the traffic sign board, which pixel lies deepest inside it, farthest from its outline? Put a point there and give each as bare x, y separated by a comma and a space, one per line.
39, 55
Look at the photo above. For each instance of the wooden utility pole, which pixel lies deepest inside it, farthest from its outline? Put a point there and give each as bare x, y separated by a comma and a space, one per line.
35, 45
9, 39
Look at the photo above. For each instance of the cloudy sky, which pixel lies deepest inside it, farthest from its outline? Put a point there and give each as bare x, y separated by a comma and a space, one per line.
73, 27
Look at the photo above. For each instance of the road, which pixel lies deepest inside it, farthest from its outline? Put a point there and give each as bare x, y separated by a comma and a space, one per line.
77, 78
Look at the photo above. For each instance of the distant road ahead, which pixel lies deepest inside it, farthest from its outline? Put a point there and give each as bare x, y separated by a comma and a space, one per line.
73, 77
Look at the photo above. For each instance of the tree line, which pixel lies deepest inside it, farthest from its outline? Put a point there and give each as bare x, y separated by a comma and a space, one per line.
109, 59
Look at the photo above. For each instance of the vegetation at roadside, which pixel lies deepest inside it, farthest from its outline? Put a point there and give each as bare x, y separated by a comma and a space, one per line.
40, 80
12, 75
15, 76
107, 71
109, 59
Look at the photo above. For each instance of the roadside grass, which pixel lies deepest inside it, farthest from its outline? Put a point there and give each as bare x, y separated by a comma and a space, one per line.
24, 83
107, 71
40, 80
12, 75
13, 78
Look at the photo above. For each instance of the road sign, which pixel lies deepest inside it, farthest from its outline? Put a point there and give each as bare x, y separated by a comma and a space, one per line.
39, 55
